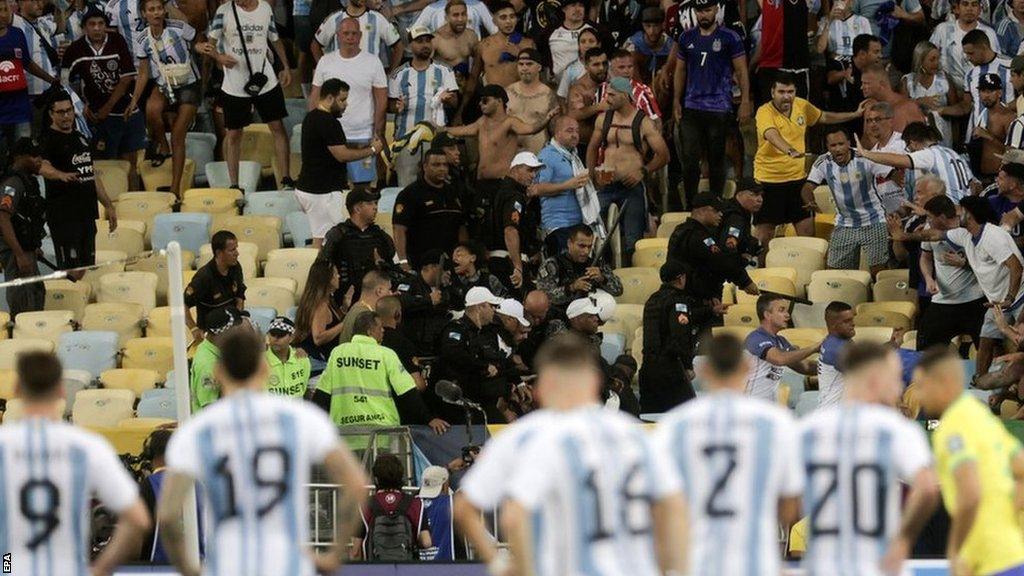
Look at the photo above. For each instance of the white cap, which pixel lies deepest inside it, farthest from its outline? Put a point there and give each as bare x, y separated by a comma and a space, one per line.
606, 302
582, 306
513, 308
434, 478
527, 159
480, 295
417, 31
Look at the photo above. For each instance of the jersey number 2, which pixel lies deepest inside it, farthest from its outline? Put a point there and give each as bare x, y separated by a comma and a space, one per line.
714, 507
277, 483
39, 501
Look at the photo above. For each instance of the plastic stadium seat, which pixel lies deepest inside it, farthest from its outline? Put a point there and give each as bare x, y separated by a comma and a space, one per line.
212, 205
637, 284
248, 175
223, 193
797, 384
158, 393
111, 261
894, 288
90, 351
803, 260
151, 353
282, 283
102, 407
294, 166
16, 409
8, 384
158, 406
9, 349
650, 252
261, 317
388, 196
264, 231
876, 334
291, 263
800, 242
809, 316
612, 346
138, 380
769, 283
247, 254
132, 287
385, 222
728, 189
637, 349
114, 179
296, 108
200, 147
908, 309
861, 276
740, 332
278, 203
823, 198
742, 315
74, 381
158, 322
627, 318
189, 229
881, 317
258, 146
910, 340
808, 403
119, 164
786, 272
268, 295
669, 221
804, 337
840, 289
67, 295
297, 225
157, 264
824, 224
48, 325
295, 140
121, 317
144, 206
155, 177
128, 239
898, 273
144, 424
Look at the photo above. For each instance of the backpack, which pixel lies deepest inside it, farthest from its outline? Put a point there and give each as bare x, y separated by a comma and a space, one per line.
635, 128
391, 537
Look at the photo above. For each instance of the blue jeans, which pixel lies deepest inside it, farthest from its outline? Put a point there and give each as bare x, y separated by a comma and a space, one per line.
634, 221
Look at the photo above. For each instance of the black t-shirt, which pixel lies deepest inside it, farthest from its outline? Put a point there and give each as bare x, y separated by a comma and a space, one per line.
432, 217
69, 201
403, 347
209, 290
321, 172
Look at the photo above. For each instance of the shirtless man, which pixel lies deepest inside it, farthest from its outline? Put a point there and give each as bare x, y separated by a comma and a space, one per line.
624, 154
530, 100
993, 134
496, 134
583, 104
875, 84
494, 59
454, 42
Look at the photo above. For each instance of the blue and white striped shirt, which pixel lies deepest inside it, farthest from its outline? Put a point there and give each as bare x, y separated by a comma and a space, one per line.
378, 32
948, 37
480, 18
949, 166
174, 46
853, 189
979, 114
125, 17
40, 31
1008, 31
418, 89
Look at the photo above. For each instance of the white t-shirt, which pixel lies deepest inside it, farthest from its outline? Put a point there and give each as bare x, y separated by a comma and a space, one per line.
362, 73
986, 256
259, 28
957, 285
855, 456
49, 473
890, 192
252, 452
486, 483
565, 47
597, 470
737, 456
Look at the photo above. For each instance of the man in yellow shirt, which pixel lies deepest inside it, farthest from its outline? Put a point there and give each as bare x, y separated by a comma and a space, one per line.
981, 472
780, 161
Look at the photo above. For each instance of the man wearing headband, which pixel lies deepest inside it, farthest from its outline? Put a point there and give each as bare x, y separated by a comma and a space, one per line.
289, 367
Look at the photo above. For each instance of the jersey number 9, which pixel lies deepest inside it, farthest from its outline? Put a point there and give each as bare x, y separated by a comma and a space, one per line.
39, 501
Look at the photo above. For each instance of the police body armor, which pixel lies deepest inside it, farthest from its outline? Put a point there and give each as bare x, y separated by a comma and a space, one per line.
351, 250
30, 217
701, 281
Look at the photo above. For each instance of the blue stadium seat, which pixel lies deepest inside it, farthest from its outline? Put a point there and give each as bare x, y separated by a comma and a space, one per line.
292, 312
297, 224
91, 351
199, 146
797, 385
613, 345
262, 317
157, 407
297, 108
248, 175
278, 203
190, 229
295, 140
970, 369
158, 394
388, 196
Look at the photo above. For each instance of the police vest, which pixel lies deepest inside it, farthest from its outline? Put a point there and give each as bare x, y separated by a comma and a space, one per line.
30, 217
351, 250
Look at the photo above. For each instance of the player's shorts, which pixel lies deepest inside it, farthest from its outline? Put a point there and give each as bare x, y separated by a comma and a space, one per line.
846, 243
322, 210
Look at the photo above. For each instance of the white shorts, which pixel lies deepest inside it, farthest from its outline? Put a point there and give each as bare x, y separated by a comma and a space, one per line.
323, 210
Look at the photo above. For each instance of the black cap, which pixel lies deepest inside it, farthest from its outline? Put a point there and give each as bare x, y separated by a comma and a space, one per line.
698, 4
25, 147
357, 195
444, 139
1014, 170
749, 184
673, 269
990, 81
529, 54
220, 320
281, 326
704, 200
94, 11
494, 91
652, 15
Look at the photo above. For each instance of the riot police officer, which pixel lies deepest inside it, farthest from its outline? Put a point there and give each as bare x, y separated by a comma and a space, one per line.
357, 245
570, 275
669, 341
734, 232
424, 304
510, 222
22, 216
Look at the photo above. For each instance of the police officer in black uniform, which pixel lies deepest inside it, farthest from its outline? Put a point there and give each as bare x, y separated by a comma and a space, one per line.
357, 245
570, 275
469, 270
669, 341
734, 232
510, 225
428, 212
22, 217
459, 178
424, 304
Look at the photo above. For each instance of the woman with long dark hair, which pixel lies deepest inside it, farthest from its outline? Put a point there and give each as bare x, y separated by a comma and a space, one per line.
318, 319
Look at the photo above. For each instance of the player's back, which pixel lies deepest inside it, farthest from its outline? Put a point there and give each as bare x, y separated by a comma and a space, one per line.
596, 469
49, 473
855, 456
253, 452
737, 456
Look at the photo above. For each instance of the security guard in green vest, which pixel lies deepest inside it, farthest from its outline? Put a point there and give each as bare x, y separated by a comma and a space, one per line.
363, 381
203, 386
289, 367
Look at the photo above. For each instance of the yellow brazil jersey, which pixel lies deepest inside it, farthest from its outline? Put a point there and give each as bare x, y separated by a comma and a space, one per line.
968, 432
770, 163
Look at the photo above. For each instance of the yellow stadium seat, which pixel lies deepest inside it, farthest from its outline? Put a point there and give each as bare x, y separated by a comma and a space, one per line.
16, 410
9, 349
910, 340
803, 260
157, 264
215, 205
384, 220
728, 293
153, 177
740, 332
122, 317
782, 396
114, 179
291, 263
669, 221
269, 296
263, 231
282, 283
125, 239
837, 289
47, 325
768, 283
153, 353
247, 258
102, 407
158, 322
637, 284
742, 315
804, 337
799, 242
67, 295
898, 273
145, 424
823, 226
118, 164
786, 272
728, 189
881, 316
232, 194
111, 261
8, 384
859, 275
823, 198
908, 309
258, 146
294, 166
144, 206
138, 380
625, 321
894, 289
876, 334
133, 287
650, 252
798, 537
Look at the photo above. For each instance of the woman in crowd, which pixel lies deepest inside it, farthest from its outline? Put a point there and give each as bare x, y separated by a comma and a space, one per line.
587, 39
318, 319
931, 89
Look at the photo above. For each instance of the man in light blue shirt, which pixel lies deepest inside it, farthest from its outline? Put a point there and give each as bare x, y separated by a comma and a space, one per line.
563, 173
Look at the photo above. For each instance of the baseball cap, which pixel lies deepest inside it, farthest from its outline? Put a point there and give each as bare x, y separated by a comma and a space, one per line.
1011, 156
25, 146
698, 4
620, 84
749, 184
480, 295
419, 31
281, 326
652, 15
220, 320
990, 81
1017, 64
582, 306
433, 480
526, 159
704, 200
444, 139
94, 11
529, 54
494, 91
357, 195
673, 269
512, 308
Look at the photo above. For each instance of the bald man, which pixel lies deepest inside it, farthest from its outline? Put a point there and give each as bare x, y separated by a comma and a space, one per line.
875, 84
545, 321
